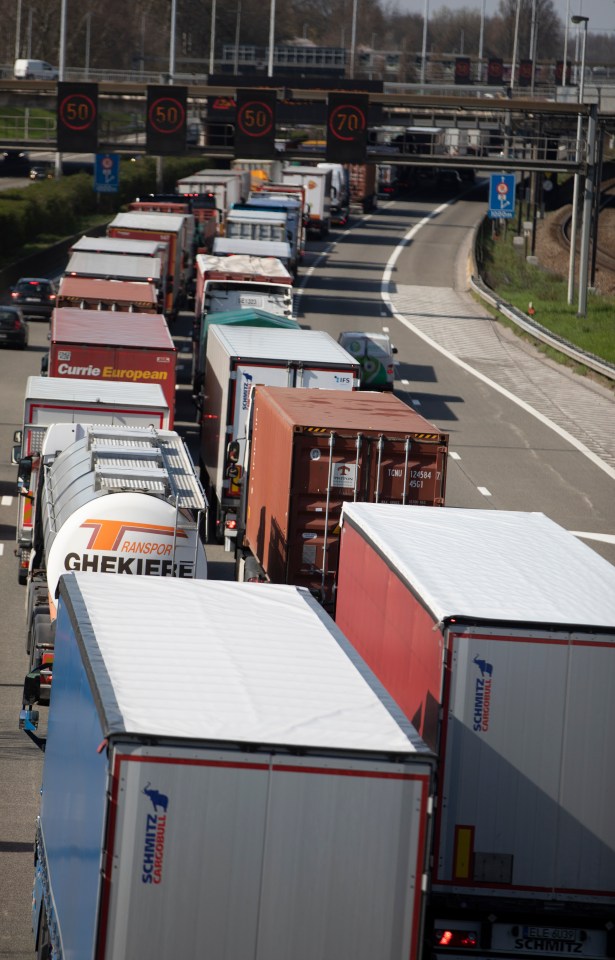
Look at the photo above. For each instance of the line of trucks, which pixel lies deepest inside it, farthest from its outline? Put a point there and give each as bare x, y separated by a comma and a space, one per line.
389, 737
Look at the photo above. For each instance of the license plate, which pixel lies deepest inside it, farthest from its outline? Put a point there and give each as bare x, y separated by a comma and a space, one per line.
2, 336
32, 299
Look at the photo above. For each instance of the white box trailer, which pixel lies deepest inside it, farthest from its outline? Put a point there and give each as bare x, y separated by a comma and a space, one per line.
498, 638
238, 246
317, 184
59, 400
238, 359
223, 778
112, 266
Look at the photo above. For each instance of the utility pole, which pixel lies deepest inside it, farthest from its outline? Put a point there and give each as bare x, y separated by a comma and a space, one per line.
577, 176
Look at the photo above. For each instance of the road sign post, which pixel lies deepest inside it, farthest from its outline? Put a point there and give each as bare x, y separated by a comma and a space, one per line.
255, 121
165, 125
502, 196
347, 127
77, 117
107, 173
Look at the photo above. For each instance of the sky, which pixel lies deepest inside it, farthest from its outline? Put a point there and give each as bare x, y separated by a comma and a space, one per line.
601, 13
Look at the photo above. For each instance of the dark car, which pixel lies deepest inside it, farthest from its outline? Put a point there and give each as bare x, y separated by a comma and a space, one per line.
14, 163
36, 296
41, 171
13, 328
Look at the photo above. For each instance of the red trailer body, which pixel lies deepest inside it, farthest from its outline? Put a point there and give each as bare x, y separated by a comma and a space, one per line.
362, 184
313, 450
90, 293
178, 234
86, 345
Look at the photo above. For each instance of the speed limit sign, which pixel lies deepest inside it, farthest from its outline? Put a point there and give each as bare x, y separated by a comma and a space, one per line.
255, 124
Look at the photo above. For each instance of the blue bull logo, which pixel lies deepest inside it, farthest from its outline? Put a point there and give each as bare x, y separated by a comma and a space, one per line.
159, 800
485, 668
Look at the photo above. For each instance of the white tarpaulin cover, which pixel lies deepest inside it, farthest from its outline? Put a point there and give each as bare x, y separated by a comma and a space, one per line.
491, 565
225, 661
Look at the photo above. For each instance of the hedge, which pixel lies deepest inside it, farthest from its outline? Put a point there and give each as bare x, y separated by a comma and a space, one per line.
57, 208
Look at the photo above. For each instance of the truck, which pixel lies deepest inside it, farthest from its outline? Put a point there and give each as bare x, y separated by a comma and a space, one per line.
291, 794
317, 184
340, 197
237, 359
261, 171
287, 206
109, 500
92, 293
114, 266
226, 186
57, 400
87, 345
238, 246
362, 186
177, 230
122, 246
308, 453
226, 284
498, 638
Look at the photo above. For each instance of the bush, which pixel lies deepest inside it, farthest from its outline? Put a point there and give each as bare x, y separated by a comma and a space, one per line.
59, 208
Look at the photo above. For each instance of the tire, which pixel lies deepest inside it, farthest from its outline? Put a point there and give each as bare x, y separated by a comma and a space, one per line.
22, 577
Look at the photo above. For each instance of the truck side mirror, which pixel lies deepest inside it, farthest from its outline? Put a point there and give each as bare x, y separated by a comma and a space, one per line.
15, 452
24, 473
18, 436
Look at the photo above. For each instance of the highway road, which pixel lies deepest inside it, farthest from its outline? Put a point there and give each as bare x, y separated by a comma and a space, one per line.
525, 435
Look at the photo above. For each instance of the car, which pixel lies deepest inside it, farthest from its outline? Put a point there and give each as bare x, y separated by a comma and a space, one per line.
36, 296
41, 171
14, 163
375, 352
13, 328
34, 70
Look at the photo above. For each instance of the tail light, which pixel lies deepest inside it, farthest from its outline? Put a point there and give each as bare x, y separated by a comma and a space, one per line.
17, 324
231, 524
15, 294
459, 939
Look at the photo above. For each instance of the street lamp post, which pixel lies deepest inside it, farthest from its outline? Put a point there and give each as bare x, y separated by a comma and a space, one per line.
515, 47
424, 47
212, 38
353, 37
480, 42
271, 38
577, 177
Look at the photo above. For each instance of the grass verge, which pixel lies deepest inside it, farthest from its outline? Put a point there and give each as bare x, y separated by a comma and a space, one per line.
505, 269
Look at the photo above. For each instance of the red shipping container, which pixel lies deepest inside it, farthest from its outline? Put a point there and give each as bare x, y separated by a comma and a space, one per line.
313, 450
104, 345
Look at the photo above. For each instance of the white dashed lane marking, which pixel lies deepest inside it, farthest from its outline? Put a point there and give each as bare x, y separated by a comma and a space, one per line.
6, 501
484, 491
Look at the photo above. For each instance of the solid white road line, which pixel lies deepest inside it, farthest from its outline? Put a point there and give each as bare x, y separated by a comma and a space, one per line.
386, 296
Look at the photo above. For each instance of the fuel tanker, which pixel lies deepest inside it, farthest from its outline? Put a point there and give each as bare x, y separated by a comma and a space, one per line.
114, 500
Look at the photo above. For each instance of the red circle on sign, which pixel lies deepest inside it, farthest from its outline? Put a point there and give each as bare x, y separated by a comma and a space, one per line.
166, 115
77, 112
502, 188
351, 111
245, 120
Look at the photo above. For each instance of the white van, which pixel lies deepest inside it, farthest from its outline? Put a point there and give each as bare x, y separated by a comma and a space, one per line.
34, 70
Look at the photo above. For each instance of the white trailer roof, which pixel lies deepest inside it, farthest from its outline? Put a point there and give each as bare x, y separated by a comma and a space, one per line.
254, 213
306, 346
491, 565
262, 266
123, 245
142, 220
114, 266
230, 662
243, 246
95, 391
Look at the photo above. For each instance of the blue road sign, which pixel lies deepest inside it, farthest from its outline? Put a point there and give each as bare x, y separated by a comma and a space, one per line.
502, 196
107, 173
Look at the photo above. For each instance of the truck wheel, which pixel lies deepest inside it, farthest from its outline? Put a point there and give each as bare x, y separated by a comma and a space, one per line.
22, 577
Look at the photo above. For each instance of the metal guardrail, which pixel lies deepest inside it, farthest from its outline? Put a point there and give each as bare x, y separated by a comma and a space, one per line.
536, 330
